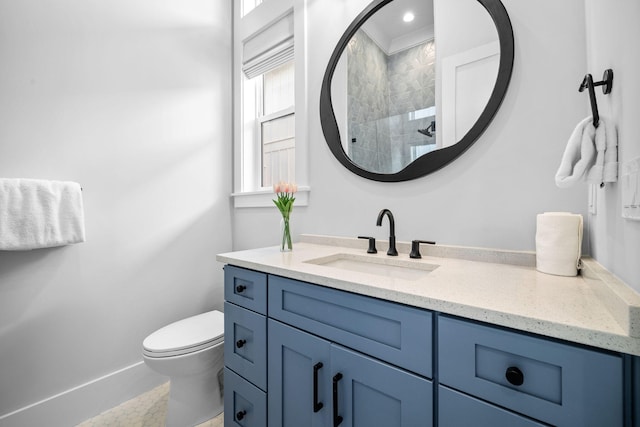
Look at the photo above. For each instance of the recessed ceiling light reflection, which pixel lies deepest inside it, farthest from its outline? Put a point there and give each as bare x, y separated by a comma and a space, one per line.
408, 17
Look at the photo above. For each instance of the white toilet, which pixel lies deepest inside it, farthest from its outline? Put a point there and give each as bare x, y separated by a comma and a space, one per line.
190, 352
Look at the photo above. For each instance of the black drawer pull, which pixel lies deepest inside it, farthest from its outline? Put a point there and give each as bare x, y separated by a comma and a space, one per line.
337, 419
514, 376
316, 405
240, 415
240, 343
240, 288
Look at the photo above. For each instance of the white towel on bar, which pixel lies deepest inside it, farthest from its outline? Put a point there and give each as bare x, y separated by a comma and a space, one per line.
591, 154
40, 214
605, 167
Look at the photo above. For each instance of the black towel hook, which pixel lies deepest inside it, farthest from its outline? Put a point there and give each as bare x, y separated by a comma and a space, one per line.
588, 83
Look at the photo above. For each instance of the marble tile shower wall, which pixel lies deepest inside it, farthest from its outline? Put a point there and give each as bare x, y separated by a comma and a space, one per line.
382, 91
367, 100
412, 79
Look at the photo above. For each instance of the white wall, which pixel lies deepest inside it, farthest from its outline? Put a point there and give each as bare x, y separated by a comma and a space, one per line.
612, 42
488, 197
130, 98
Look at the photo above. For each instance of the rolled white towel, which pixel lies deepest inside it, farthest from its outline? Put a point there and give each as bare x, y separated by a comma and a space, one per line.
558, 243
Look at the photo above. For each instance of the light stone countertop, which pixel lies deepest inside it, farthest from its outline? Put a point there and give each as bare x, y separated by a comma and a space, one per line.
494, 286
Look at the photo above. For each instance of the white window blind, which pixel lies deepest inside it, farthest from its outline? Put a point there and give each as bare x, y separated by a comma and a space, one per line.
270, 48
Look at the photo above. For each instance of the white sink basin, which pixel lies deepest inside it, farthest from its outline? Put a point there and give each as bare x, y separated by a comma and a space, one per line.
379, 266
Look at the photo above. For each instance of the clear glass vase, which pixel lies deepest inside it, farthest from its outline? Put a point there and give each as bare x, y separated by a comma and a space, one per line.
285, 236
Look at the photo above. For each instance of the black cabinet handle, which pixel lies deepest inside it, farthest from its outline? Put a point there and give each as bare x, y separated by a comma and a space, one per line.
514, 376
240, 288
337, 419
240, 415
240, 343
316, 405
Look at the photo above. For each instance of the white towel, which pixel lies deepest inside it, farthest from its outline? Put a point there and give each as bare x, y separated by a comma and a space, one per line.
591, 154
40, 214
558, 243
605, 168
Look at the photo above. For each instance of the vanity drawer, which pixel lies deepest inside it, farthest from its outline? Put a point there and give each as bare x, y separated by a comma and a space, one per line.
245, 344
457, 409
246, 288
557, 383
244, 404
391, 332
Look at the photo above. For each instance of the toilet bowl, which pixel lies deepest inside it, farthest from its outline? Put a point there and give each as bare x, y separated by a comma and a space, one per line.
190, 352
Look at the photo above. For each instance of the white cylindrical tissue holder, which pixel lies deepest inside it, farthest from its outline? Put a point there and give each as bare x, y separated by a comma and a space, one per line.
558, 243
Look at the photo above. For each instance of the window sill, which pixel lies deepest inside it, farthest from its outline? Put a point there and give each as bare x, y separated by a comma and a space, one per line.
264, 198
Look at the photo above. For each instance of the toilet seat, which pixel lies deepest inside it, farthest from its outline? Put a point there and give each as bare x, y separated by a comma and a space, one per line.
186, 336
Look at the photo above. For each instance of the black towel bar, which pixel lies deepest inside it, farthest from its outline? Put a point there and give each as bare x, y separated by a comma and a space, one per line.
588, 83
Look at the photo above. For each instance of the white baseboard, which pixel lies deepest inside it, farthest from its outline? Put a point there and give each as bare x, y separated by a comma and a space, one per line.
80, 403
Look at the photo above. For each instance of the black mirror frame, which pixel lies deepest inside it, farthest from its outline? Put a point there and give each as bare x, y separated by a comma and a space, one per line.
434, 160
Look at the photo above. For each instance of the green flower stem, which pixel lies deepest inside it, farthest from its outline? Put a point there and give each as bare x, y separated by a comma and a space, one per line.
286, 236
284, 203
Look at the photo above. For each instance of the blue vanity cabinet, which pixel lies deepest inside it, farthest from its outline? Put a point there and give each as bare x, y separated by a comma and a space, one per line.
245, 348
556, 383
302, 355
337, 358
314, 382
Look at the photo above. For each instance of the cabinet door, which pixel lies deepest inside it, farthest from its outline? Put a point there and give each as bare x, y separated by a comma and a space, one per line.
635, 394
557, 383
457, 409
245, 347
299, 378
246, 288
245, 405
370, 393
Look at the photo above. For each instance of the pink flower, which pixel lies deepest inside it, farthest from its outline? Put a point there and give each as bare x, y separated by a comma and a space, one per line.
285, 188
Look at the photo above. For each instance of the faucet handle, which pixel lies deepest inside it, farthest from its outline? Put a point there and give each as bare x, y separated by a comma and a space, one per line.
415, 247
372, 244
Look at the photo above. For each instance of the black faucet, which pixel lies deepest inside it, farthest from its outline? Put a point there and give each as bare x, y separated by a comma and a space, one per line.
392, 231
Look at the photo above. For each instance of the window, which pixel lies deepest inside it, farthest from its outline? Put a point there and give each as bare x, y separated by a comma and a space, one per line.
249, 5
268, 148
269, 128
277, 126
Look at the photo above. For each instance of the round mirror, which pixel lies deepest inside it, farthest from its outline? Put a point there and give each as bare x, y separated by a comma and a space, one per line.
413, 83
